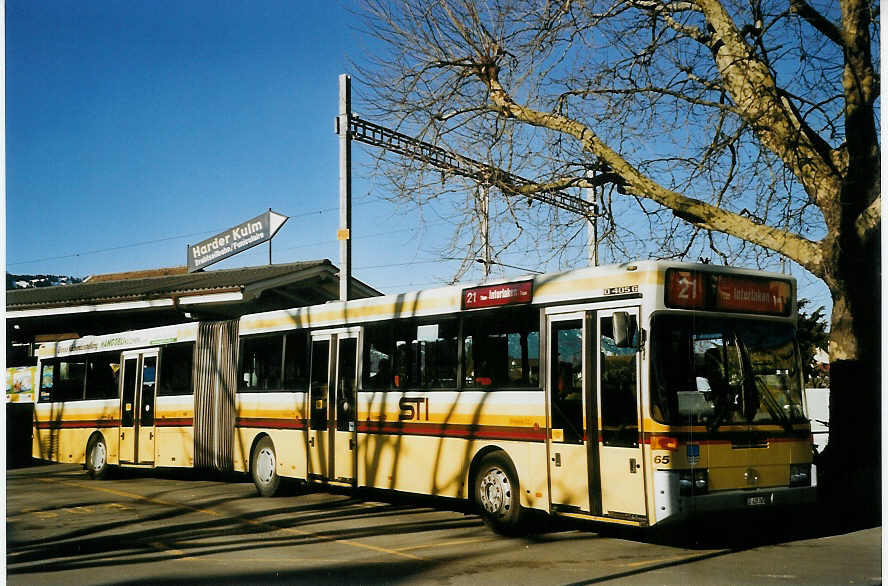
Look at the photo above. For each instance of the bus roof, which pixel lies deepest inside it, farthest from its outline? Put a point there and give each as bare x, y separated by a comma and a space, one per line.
634, 280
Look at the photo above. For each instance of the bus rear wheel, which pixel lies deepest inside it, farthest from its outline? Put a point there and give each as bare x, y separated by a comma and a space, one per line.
497, 495
264, 468
96, 458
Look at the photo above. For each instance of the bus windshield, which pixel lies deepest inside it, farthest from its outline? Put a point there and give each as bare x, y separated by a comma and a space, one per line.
722, 371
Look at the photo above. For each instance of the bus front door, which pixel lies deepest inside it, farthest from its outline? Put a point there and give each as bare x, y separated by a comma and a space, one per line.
333, 395
139, 378
573, 468
620, 450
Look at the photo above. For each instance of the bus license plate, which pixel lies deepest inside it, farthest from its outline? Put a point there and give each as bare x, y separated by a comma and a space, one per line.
756, 501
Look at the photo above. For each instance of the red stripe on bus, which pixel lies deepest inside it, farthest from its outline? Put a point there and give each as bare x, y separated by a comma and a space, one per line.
271, 423
78, 424
453, 430
174, 422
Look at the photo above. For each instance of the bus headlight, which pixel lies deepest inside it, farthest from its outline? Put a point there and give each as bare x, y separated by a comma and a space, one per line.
691, 482
800, 474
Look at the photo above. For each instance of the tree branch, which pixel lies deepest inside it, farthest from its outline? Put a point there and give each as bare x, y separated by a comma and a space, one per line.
665, 11
699, 213
818, 21
648, 89
754, 90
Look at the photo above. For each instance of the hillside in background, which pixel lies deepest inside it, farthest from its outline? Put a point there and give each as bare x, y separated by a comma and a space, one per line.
26, 281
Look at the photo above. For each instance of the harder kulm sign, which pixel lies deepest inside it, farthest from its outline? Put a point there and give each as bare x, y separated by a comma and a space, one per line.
234, 240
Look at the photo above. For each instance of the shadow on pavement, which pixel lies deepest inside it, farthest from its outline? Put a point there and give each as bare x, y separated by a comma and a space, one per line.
172, 527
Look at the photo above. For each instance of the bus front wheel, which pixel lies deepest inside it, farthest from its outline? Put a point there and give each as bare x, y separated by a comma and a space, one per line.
264, 468
496, 494
96, 458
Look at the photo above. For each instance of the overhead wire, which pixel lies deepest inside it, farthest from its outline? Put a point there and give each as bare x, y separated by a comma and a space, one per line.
165, 239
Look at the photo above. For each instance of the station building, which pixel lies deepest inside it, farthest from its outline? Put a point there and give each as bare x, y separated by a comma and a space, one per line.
118, 302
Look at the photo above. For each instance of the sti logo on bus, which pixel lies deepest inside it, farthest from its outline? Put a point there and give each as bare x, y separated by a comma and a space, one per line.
497, 295
412, 407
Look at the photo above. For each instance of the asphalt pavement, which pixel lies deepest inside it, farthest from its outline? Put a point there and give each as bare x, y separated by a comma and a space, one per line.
162, 527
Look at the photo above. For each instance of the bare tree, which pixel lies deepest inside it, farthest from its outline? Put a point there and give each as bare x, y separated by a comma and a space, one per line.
742, 128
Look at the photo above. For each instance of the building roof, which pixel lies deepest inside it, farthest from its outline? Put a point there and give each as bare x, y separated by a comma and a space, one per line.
109, 303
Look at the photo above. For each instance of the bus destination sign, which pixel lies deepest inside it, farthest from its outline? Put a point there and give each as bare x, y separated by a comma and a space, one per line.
753, 295
497, 295
719, 292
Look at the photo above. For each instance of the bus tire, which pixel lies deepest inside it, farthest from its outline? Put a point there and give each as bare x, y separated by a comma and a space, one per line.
496, 493
264, 468
97, 457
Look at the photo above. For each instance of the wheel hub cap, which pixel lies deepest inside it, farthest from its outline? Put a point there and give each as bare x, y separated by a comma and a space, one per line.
265, 465
98, 456
495, 492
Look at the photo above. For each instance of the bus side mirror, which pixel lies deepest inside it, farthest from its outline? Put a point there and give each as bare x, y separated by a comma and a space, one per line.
624, 329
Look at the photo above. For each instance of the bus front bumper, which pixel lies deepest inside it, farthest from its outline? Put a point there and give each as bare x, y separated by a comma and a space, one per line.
671, 506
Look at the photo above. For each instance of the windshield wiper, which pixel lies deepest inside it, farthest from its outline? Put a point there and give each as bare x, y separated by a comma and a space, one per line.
761, 390
772, 405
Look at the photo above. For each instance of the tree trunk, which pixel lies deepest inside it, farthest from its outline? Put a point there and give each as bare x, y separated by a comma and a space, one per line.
850, 467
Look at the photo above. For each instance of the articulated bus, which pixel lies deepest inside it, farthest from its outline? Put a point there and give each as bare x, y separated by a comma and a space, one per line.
635, 394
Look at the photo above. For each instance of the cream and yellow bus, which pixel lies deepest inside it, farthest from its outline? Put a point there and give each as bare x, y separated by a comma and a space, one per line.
635, 394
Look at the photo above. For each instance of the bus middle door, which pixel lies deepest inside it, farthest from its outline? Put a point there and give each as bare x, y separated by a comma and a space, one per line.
139, 378
333, 396
572, 431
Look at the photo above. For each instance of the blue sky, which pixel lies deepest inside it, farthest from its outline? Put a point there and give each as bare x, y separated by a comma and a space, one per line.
165, 122
134, 128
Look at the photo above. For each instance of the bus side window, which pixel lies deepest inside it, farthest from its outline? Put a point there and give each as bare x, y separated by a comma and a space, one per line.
434, 355
404, 334
176, 361
261, 359
378, 358
296, 361
48, 374
502, 349
101, 375
66, 383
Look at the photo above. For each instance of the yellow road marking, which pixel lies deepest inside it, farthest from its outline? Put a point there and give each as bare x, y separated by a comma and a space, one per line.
78, 510
351, 542
131, 495
243, 520
443, 544
286, 560
162, 547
